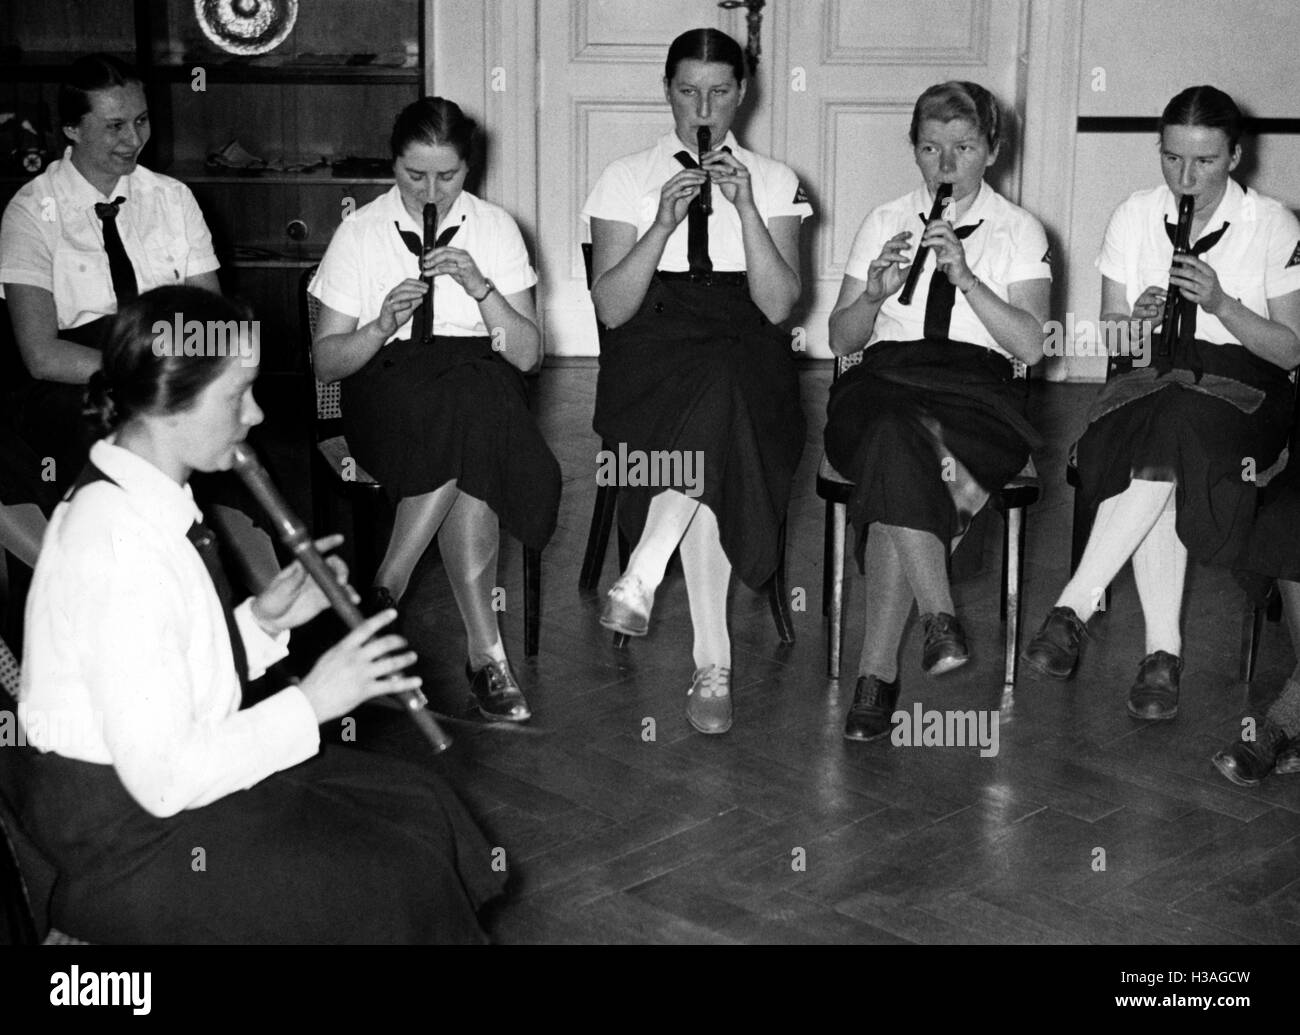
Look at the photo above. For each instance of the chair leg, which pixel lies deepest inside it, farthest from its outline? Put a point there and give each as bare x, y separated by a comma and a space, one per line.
1013, 552
778, 596
836, 630
1252, 628
624, 551
532, 600
828, 539
602, 518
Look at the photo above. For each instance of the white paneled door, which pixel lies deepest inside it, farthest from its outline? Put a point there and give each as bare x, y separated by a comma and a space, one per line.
832, 98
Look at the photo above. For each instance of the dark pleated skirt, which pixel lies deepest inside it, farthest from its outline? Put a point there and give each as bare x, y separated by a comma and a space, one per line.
699, 370
1204, 443
882, 419
348, 847
1272, 550
50, 438
418, 415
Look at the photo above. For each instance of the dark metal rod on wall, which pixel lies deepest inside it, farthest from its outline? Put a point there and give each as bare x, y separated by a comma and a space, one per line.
754, 22
1147, 124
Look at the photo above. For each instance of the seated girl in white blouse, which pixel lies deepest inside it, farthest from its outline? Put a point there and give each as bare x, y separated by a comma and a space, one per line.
930, 421
131, 695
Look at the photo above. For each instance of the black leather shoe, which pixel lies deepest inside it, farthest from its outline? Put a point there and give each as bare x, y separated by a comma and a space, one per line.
873, 709
1154, 695
945, 644
1288, 758
1054, 650
497, 692
1246, 762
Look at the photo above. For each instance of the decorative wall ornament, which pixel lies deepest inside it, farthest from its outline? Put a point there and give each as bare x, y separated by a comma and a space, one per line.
246, 27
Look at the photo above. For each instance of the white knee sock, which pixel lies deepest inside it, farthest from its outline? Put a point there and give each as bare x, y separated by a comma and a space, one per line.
1122, 523
669, 514
1159, 569
708, 575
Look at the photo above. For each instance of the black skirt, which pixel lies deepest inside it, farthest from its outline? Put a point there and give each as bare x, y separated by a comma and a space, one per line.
47, 440
348, 847
1272, 550
418, 415
699, 372
882, 420
1196, 434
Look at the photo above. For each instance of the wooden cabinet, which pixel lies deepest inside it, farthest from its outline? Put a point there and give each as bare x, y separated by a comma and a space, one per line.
327, 94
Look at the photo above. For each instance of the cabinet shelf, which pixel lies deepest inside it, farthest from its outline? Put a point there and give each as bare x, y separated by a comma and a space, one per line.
290, 72
196, 172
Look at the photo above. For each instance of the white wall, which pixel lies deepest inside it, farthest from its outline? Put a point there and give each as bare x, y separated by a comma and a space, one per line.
1133, 58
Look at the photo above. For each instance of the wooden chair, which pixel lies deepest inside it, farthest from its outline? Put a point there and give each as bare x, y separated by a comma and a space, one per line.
1011, 500
27, 877
334, 468
1252, 618
603, 520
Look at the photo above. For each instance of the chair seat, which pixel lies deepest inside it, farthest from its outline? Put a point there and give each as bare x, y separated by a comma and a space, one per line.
336, 453
831, 485
1020, 491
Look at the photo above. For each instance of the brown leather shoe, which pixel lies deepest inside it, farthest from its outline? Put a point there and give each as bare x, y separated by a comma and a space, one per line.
872, 713
497, 692
1154, 695
1054, 650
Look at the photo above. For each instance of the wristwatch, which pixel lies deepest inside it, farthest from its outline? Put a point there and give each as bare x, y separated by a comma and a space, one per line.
490, 288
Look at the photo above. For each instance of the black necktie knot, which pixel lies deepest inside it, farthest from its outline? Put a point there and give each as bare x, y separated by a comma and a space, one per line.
962, 232
108, 209
1202, 246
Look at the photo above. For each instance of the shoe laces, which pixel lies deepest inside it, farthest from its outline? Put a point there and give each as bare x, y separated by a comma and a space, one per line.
713, 681
630, 589
938, 626
500, 678
871, 693
1074, 628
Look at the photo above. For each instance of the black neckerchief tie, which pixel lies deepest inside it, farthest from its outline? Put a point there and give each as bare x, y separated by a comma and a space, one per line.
205, 542
415, 245
943, 292
1183, 348
119, 265
697, 224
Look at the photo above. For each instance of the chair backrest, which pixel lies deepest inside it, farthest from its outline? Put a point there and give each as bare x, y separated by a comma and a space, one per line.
19, 924
327, 395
